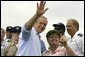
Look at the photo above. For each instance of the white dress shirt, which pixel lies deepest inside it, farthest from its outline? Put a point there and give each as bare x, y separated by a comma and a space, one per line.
77, 44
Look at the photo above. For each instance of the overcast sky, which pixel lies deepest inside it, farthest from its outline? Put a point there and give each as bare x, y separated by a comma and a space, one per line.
18, 12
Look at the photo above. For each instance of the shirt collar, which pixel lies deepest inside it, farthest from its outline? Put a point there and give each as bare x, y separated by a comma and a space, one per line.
7, 39
75, 34
36, 32
57, 49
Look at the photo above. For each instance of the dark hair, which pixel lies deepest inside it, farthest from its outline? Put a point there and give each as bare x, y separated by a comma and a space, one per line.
61, 31
51, 32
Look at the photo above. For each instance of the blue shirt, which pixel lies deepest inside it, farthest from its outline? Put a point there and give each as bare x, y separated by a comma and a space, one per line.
43, 48
29, 43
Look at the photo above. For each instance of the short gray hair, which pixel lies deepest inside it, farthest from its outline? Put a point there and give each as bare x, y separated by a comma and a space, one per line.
43, 17
75, 23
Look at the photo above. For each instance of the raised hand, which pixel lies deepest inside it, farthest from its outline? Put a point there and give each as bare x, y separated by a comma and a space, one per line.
63, 40
40, 11
40, 8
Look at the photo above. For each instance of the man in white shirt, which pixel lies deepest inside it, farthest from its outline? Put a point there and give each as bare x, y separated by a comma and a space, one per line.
77, 40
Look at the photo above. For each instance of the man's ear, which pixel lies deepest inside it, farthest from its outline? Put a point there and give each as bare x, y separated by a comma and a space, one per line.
75, 28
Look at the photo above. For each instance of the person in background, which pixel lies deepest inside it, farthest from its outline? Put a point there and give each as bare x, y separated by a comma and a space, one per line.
76, 42
2, 40
2, 35
55, 49
11, 48
8, 34
59, 27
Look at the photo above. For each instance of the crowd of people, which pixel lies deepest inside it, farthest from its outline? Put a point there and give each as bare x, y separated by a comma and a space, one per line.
26, 40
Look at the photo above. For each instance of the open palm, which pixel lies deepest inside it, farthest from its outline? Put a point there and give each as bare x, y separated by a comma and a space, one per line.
40, 8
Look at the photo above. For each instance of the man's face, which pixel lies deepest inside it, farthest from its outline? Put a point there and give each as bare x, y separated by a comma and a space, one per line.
70, 27
15, 36
8, 34
41, 24
53, 40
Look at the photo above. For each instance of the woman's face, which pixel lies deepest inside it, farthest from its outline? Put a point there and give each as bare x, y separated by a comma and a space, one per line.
53, 40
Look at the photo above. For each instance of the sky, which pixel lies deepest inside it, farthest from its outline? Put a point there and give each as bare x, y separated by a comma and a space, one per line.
15, 13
